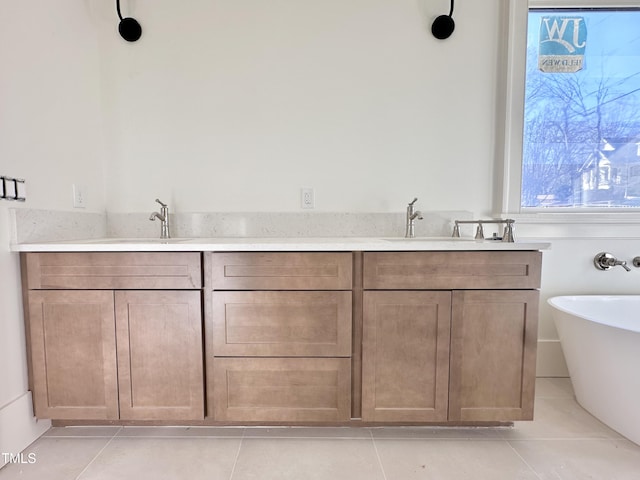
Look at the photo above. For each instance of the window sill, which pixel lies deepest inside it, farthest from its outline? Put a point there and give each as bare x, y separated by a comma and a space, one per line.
621, 225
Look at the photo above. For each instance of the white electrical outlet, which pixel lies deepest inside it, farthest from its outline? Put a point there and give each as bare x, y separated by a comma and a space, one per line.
307, 198
79, 196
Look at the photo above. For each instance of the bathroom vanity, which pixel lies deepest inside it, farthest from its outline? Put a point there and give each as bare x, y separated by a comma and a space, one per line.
282, 331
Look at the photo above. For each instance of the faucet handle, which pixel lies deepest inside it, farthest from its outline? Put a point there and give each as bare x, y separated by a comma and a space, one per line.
414, 201
605, 261
163, 204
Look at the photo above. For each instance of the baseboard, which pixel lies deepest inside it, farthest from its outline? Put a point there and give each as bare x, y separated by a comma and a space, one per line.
18, 427
551, 361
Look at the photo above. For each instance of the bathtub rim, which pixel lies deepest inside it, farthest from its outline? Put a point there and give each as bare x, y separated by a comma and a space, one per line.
556, 303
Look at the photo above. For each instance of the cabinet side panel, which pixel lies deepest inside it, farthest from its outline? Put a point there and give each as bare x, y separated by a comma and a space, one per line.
356, 349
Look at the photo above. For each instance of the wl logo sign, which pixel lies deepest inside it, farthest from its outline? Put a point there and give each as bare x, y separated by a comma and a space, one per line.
562, 44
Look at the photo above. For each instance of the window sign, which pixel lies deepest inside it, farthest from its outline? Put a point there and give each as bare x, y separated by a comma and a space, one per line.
562, 44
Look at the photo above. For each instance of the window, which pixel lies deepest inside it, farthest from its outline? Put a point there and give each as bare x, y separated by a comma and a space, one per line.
580, 131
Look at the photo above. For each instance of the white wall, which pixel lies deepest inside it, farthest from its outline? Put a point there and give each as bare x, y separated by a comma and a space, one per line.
51, 135
227, 105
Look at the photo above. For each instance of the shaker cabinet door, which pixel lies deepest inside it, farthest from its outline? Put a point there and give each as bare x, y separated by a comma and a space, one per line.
160, 373
405, 356
493, 355
73, 354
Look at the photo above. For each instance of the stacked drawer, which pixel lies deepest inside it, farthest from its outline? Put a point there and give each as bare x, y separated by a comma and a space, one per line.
280, 337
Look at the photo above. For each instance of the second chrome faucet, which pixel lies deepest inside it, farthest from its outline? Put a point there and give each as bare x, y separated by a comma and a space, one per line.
412, 214
163, 216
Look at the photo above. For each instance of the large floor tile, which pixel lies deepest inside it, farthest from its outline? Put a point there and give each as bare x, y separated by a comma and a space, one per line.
106, 431
581, 459
451, 460
548, 387
55, 459
436, 433
173, 432
307, 432
165, 459
308, 459
559, 418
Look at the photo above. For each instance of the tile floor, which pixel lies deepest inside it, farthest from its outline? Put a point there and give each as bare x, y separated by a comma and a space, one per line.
564, 442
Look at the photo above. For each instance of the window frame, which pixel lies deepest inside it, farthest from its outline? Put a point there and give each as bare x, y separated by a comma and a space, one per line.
509, 132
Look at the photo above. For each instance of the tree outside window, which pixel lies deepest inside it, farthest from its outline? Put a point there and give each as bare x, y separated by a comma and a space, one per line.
581, 143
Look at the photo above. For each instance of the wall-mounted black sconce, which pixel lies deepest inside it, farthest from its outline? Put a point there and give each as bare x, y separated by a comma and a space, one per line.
129, 28
443, 26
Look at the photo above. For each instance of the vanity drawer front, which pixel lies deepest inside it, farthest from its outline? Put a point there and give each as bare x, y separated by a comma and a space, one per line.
118, 270
282, 389
281, 271
271, 324
452, 270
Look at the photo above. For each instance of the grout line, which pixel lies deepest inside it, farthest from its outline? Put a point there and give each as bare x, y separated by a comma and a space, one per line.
523, 460
96, 457
375, 448
235, 462
302, 437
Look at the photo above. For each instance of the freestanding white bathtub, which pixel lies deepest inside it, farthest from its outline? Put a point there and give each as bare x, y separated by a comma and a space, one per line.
600, 337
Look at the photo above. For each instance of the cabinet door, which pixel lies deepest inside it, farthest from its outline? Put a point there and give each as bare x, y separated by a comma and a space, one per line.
73, 354
493, 355
160, 373
405, 356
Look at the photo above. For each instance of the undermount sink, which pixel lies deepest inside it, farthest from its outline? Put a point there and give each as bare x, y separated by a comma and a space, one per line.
137, 240
429, 239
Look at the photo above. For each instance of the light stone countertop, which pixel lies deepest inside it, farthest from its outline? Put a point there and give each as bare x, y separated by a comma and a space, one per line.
282, 244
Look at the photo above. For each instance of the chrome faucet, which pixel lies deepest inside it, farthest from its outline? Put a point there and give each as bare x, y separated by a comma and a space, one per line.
605, 261
411, 217
163, 216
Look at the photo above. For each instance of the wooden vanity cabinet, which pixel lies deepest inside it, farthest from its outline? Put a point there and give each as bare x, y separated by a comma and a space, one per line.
489, 302
281, 337
99, 352
288, 337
